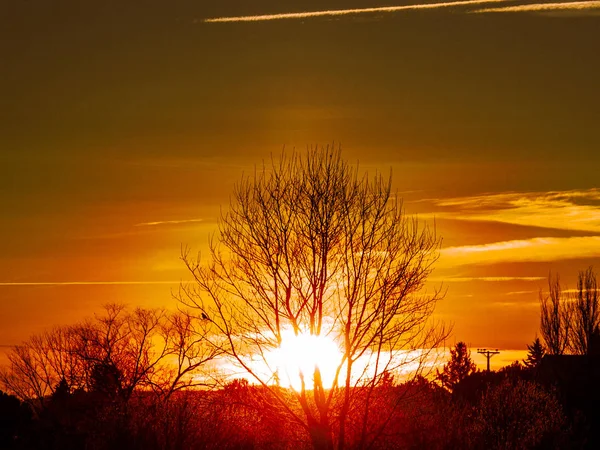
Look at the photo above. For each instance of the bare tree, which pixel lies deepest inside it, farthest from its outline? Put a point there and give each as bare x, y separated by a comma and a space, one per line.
189, 357
115, 353
37, 366
586, 320
556, 314
309, 246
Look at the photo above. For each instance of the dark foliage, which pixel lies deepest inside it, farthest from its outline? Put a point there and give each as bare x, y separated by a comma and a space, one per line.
458, 368
517, 415
15, 422
486, 410
535, 353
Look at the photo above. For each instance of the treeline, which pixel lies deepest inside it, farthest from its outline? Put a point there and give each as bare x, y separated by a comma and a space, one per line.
508, 409
147, 379
115, 354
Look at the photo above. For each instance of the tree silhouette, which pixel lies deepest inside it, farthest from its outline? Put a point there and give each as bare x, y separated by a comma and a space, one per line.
535, 353
62, 391
556, 317
117, 352
458, 368
586, 320
106, 379
309, 246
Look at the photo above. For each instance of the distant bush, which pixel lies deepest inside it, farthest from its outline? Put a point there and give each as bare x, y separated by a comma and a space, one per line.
517, 414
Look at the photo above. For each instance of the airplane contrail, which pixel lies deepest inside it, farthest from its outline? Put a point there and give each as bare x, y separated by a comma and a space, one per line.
168, 222
343, 12
543, 7
83, 283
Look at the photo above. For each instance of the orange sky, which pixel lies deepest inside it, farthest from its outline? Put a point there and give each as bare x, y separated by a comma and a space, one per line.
124, 128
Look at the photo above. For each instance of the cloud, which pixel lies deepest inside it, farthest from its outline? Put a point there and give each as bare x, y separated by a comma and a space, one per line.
522, 293
519, 305
344, 12
168, 222
540, 249
584, 8
485, 279
577, 210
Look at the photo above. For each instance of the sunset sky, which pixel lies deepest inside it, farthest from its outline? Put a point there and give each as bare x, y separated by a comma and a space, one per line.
123, 126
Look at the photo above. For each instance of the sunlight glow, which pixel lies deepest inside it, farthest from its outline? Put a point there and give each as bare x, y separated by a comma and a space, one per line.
299, 354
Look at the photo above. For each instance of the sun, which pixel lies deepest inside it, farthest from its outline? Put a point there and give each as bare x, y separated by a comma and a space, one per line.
300, 354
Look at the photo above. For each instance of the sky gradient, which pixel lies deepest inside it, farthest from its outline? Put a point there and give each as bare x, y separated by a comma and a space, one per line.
124, 126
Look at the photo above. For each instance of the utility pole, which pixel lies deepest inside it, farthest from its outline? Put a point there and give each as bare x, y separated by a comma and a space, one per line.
488, 354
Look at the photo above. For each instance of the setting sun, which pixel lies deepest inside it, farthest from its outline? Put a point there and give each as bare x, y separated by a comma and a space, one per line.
300, 354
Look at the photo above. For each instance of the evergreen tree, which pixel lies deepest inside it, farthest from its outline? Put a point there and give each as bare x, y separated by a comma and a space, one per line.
62, 390
458, 368
535, 353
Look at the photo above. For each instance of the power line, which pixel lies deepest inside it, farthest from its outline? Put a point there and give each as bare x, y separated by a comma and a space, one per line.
488, 354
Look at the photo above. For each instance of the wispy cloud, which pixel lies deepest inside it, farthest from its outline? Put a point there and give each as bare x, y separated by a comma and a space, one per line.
513, 304
345, 12
522, 292
567, 7
485, 279
168, 222
83, 283
569, 293
539, 249
567, 210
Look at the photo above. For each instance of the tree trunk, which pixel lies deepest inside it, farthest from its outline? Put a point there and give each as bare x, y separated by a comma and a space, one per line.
320, 436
